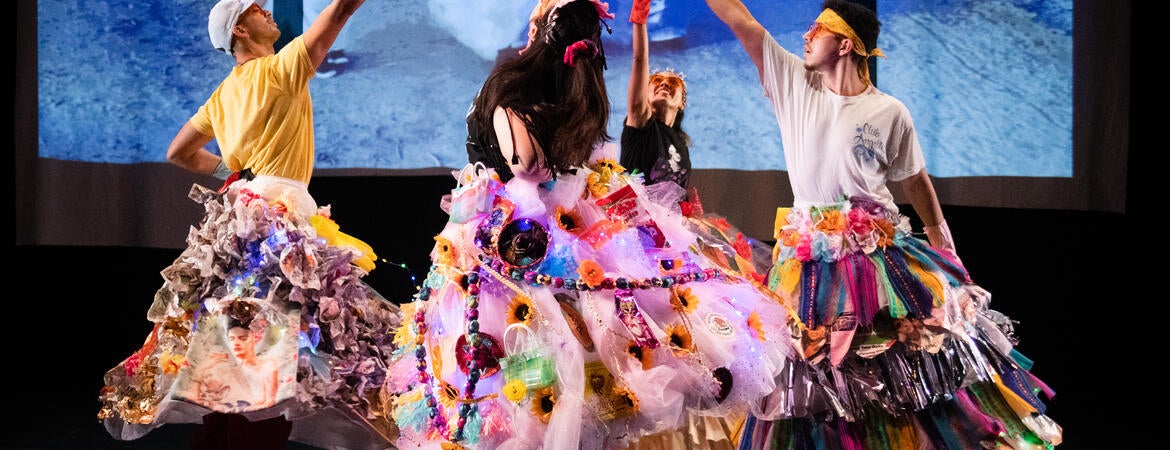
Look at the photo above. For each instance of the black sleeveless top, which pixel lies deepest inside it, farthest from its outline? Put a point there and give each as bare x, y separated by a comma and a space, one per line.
657, 151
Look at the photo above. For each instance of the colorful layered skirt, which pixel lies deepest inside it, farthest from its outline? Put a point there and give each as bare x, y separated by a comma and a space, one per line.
264, 314
898, 346
580, 313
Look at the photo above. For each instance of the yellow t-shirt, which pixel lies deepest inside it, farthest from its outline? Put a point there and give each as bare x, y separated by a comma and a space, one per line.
262, 115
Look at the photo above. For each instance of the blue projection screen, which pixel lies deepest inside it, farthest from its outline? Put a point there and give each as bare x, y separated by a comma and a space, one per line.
989, 83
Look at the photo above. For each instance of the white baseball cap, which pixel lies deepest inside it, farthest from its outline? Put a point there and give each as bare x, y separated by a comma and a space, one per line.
222, 19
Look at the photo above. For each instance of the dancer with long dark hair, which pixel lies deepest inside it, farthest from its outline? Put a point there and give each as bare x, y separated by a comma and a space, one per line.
565, 308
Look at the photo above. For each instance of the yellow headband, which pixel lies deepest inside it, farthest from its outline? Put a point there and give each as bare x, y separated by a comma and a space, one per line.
833, 22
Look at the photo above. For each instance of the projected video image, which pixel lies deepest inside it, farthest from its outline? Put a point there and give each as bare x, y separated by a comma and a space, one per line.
989, 83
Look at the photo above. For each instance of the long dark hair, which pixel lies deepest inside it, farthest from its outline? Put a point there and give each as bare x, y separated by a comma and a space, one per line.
677, 126
565, 107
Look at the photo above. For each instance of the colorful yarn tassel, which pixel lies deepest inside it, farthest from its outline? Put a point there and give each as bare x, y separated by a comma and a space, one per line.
862, 287
908, 287
929, 280
816, 293
898, 308
922, 251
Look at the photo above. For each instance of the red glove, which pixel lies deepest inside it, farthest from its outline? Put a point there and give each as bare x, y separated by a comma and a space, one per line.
640, 11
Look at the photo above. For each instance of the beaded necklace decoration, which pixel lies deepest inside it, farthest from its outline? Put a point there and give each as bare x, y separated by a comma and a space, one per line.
514, 278
467, 401
534, 278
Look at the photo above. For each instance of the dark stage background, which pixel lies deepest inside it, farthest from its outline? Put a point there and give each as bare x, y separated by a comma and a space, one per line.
1075, 281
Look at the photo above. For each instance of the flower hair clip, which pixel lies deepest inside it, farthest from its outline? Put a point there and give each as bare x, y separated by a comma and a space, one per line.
584, 47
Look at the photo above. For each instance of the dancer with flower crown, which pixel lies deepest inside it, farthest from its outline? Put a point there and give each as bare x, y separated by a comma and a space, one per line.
899, 347
655, 147
565, 308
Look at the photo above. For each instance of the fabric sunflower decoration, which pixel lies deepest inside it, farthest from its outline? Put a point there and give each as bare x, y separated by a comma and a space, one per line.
444, 251
448, 395
520, 310
544, 401
642, 355
627, 400
682, 300
569, 220
607, 167
681, 342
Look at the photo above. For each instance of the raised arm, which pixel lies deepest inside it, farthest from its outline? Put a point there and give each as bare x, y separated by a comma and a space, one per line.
639, 109
749, 32
321, 34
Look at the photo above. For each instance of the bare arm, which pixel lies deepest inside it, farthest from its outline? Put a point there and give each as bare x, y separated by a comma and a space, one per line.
187, 151
515, 140
749, 32
271, 382
321, 34
639, 107
920, 190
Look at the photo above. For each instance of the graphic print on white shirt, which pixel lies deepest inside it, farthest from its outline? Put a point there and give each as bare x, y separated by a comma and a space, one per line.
864, 143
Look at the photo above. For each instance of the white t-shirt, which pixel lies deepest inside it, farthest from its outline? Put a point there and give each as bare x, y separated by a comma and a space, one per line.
835, 146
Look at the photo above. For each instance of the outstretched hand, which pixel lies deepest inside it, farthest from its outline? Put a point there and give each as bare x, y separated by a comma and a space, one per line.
940, 238
640, 11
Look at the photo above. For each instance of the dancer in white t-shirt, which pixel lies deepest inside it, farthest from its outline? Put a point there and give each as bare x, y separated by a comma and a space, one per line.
846, 261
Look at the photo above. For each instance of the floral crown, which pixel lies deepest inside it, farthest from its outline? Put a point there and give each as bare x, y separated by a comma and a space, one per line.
669, 72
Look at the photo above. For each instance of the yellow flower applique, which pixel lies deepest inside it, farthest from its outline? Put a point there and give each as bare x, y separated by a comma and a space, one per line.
520, 310
832, 221
444, 251
682, 300
597, 187
642, 355
681, 342
569, 220
515, 391
543, 402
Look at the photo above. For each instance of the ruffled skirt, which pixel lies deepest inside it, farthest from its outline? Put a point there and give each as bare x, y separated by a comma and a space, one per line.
580, 313
900, 349
263, 314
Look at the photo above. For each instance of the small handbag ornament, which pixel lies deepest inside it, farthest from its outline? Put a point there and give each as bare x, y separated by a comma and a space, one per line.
525, 358
473, 194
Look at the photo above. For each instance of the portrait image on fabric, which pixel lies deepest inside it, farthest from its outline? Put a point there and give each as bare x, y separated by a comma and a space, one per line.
239, 364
